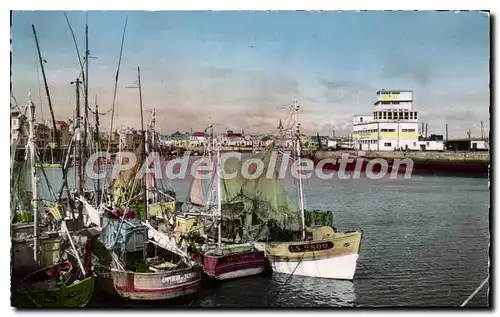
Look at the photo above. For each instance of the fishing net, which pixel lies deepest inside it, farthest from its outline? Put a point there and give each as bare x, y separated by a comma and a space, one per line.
257, 203
253, 208
20, 192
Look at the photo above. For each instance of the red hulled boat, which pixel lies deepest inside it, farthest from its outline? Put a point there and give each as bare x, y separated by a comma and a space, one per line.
234, 261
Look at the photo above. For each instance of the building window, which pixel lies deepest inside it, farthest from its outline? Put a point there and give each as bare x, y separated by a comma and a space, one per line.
414, 143
361, 119
406, 115
411, 115
385, 115
387, 144
415, 115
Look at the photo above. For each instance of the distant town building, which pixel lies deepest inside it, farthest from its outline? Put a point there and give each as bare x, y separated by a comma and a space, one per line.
43, 135
197, 139
18, 129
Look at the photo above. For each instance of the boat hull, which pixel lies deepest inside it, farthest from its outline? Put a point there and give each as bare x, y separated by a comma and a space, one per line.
234, 265
156, 286
72, 296
334, 258
342, 268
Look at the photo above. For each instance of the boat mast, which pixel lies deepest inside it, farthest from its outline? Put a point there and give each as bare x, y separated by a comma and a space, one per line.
153, 133
116, 88
97, 141
143, 137
210, 134
219, 197
86, 84
78, 154
153, 148
34, 179
55, 138
301, 187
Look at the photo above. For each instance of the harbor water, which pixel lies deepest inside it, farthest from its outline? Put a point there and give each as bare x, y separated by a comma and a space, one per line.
426, 243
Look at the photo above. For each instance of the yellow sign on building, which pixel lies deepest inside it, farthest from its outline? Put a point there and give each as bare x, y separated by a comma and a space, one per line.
390, 97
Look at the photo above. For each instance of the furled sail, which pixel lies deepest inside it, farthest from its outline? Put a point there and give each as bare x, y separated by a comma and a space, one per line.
260, 201
126, 185
248, 205
201, 191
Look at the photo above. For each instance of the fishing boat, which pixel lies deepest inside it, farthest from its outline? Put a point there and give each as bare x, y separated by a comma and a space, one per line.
56, 286
56, 283
145, 264
234, 261
322, 251
144, 269
224, 261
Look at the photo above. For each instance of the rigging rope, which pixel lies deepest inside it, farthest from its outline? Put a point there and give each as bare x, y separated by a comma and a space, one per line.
288, 279
475, 292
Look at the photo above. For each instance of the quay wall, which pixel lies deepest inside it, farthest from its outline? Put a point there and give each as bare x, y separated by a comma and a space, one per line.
421, 155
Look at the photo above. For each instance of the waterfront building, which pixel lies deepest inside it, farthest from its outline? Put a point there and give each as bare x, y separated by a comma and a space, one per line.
110, 140
393, 125
231, 138
65, 134
197, 139
43, 135
166, 140
18, 129
180, 139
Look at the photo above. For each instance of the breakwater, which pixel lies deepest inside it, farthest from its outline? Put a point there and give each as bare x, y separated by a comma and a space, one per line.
457, 157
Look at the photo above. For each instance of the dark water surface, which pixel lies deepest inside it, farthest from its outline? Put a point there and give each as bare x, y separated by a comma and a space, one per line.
426, 243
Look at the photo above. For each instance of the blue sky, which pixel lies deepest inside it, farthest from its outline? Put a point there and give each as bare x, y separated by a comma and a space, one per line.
236, 67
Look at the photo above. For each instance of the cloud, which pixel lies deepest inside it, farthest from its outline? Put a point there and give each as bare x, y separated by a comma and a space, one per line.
234, 98
186, 92
417, 72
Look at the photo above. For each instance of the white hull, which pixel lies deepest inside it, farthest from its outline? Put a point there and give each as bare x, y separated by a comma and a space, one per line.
342, 268
238, 273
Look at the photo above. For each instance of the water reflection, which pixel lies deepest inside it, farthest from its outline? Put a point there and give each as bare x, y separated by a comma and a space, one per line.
315, 292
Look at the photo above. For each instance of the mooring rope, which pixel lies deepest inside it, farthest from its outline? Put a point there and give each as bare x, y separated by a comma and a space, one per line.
475, 291
288, 279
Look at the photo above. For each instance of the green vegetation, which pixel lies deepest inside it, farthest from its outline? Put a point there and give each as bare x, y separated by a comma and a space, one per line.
318, 218
135, 262
23, 217
101, 253
194, 241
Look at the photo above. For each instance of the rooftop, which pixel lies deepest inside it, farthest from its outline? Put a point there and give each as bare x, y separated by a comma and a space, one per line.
392, 91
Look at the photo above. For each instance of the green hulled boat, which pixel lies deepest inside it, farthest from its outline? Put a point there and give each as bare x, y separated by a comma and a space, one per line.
57, 283
62, 295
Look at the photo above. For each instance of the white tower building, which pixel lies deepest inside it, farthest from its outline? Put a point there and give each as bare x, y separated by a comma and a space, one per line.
393, 125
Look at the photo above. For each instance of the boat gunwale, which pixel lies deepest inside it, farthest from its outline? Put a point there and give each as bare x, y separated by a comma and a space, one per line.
339, 235
168, 287
152, 274
25, 291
